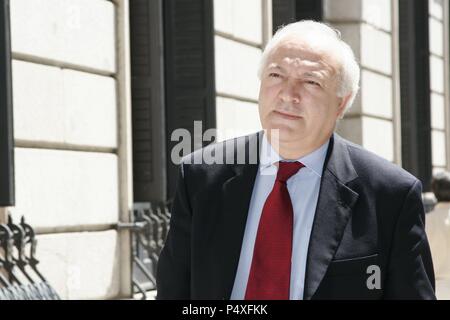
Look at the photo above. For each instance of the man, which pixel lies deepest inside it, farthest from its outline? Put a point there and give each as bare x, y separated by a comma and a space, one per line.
315, 217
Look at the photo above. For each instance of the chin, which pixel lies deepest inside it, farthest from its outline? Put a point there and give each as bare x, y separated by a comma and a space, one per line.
287, 133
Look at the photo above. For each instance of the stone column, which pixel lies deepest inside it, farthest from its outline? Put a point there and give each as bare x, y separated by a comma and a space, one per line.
367, 26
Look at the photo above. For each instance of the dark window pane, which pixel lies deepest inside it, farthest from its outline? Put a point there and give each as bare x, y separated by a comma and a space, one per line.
6, 120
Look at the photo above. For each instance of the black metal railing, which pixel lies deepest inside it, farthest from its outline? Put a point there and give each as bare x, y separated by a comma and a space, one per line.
149, 230
20, 278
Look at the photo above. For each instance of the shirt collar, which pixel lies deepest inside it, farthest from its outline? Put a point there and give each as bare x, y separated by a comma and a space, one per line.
314, 161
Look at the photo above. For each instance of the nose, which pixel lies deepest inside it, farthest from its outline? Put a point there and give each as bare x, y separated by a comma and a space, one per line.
290, 93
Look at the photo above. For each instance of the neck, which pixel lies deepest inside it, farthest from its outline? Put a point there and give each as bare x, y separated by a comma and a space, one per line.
293, 150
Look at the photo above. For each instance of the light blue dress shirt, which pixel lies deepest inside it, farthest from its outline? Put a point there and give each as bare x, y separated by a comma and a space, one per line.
303, 188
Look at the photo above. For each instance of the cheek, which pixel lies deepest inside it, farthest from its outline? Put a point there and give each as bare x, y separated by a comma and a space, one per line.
325, 104
267, 97
319, 112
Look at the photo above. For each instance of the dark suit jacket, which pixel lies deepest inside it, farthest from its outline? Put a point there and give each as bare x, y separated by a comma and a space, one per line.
369, 212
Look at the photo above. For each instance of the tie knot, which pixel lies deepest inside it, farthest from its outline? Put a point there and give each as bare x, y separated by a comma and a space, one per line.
287, 170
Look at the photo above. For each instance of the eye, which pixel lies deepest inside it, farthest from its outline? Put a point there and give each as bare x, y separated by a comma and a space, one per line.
314, 83
274, 75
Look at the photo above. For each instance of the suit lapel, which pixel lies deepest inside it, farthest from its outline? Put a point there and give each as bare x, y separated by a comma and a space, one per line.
333, 211
237, 192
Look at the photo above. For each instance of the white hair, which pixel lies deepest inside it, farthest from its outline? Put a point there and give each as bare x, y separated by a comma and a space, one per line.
328, 38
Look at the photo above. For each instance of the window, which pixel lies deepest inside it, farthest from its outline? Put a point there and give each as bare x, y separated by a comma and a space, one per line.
190, 79
415, 89
147, 94
6, 120
172, 70
287, 11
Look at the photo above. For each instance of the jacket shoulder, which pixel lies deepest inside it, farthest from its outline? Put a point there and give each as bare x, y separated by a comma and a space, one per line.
379, 171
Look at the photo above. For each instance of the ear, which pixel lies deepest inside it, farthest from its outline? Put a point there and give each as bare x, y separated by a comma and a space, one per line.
342, 105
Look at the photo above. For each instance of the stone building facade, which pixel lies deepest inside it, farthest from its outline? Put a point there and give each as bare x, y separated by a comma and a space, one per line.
98, 86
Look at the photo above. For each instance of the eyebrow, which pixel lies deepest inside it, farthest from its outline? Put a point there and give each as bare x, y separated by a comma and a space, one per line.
275, 66
313, 75
310, 74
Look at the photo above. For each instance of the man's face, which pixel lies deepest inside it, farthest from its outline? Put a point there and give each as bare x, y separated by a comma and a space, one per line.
298, 93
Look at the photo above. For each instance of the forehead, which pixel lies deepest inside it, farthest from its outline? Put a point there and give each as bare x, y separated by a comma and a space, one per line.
298, 53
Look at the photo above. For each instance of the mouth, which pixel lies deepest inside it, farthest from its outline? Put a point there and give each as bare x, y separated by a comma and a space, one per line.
287, 115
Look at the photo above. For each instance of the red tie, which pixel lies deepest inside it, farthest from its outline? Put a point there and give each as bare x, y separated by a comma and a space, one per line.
270, 272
